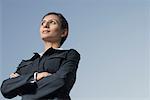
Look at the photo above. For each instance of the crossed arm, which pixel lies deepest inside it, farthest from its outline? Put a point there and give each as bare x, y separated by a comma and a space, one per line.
38, 77
46, 82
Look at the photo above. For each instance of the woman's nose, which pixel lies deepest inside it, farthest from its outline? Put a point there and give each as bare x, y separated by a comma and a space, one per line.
46, 25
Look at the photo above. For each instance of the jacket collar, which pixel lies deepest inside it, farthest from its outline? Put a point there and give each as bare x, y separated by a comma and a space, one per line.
48, 52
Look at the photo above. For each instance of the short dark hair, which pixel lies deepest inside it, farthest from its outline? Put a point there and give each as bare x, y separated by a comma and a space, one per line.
64, 24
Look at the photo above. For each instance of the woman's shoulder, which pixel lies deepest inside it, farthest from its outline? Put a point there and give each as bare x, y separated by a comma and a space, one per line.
73, 51
70, 51
73, 54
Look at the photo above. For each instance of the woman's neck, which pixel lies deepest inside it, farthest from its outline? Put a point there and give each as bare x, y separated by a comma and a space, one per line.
51, 45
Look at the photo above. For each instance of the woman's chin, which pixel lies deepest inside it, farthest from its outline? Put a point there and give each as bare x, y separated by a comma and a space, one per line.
46, 39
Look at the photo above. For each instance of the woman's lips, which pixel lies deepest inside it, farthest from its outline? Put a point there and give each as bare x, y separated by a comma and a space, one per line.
45, 31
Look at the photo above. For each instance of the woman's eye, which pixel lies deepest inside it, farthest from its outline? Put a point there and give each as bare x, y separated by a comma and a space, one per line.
53, 22
42, 23
48, 23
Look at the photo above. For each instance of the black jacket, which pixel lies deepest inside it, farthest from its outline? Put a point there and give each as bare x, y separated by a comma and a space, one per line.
62, 64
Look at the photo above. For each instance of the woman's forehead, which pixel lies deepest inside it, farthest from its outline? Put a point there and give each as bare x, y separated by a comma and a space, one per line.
51, 17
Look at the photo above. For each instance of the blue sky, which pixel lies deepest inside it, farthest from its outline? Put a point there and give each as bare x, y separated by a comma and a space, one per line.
112, 37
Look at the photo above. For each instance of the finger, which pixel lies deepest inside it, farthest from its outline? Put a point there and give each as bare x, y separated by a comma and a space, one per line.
39, 76
13, 75
49, 74
16, 74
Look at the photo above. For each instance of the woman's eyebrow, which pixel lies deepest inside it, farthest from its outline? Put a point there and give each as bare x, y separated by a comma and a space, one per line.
54, 20
51, 20
57, 21
43, 20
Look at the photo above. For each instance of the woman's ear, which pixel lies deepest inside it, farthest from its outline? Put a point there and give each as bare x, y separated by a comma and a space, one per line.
64, 33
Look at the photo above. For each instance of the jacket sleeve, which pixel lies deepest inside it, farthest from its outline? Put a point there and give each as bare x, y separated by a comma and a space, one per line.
54, 82
11, 87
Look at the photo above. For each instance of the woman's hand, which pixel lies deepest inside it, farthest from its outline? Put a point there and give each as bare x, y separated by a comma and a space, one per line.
42, 75
14, 75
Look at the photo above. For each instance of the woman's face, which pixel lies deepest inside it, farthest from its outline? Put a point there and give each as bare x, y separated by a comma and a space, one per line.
50, 29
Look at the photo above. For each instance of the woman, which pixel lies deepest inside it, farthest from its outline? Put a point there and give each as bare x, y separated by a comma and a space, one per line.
49, 75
